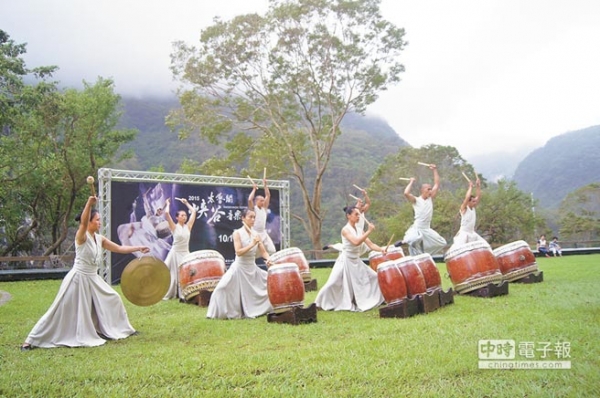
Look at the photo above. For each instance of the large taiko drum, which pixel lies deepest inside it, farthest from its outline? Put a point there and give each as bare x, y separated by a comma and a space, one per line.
472, 266
430, 272
285, 287
200, 270
391, 282
296, 256
516, 260
376, 258
415, 281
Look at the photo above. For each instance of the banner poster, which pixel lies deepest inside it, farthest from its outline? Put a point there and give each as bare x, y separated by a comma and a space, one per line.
137, 218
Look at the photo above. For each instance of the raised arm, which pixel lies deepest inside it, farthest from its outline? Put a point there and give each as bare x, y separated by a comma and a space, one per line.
367, 204
436, 180
167, 211
251, 196
80, 235
407, 194
192, 211
267, 194
467, 199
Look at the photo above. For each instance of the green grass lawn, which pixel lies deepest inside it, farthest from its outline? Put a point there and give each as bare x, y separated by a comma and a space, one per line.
180, 353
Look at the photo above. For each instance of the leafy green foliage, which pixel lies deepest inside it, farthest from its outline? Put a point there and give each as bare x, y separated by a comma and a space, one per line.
51, 141
286, 80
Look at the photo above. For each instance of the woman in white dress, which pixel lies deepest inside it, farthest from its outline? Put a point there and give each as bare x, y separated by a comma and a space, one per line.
181, 231
242, 291
352, 285
86, 311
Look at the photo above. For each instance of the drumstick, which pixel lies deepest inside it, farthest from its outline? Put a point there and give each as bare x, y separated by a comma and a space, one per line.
357, 187
404, 179
464, 175
389, 242
424, 164
353, 197
251, 180
265, 173
90, 181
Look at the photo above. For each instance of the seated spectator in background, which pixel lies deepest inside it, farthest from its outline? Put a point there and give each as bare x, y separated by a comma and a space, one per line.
555, 247
542, 246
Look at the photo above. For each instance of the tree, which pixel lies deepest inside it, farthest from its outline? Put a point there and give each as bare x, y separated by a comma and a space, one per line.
278, 86
503, 215
51, 140
580, 214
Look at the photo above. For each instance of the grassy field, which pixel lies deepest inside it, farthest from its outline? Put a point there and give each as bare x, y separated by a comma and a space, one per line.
180, 353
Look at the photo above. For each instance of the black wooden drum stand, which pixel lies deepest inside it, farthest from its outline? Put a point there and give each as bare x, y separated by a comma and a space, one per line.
295, 316
203, 298
402, 309
310, 286
446, 297
491, 290
532, 278
429, 301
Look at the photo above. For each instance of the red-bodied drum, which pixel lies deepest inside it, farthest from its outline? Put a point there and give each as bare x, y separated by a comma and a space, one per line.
425, 262
376, 258
391, 282
516, 260
472, 266
285, 287
415, 281
296, 256
200, 270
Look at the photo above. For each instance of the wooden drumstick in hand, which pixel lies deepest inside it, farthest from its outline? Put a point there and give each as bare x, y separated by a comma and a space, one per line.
464, 175
90, 181
424, 164
404, 179
353, 197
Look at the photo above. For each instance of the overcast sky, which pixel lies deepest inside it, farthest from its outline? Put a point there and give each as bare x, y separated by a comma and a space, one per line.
481, 75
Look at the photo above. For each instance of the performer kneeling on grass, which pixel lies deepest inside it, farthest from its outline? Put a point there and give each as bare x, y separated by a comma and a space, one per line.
242, 291
86, 311
352, 285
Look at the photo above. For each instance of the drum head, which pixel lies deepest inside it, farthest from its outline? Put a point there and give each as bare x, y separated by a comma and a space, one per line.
145, 281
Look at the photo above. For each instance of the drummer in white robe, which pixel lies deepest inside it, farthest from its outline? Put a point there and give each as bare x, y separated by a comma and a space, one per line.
352, 285
260, 206
468, 216
86, 311
242, 291
419, 237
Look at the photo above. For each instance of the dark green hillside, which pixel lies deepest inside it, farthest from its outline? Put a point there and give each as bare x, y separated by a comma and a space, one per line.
364, 143
566, 163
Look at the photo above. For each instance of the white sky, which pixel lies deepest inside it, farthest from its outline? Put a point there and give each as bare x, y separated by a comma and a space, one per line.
481, 75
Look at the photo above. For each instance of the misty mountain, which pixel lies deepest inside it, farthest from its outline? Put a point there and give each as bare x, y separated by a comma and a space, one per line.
567, 162
498, 165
